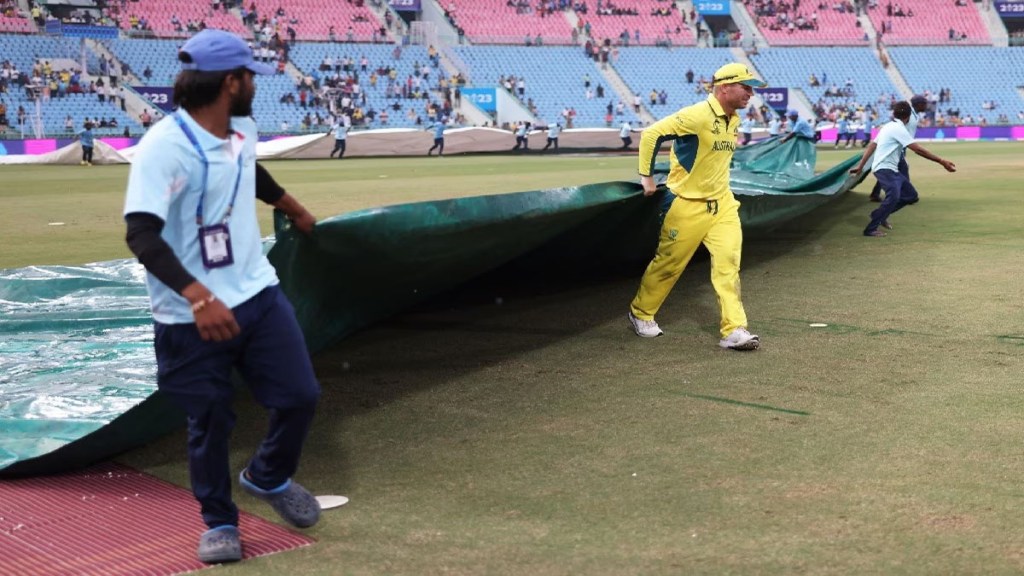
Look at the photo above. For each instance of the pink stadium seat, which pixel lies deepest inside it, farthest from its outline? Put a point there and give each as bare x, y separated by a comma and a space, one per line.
317, 16
834, 28
494, 22
930, 24
159, 13
17, 25
650, 27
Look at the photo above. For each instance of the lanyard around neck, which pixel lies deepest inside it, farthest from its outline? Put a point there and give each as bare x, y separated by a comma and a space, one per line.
206, 172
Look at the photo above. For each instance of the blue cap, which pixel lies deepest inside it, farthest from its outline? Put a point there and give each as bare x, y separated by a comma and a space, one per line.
216, 51
792, 113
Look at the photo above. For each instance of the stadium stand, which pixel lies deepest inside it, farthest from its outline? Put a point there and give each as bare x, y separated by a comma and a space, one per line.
495, 22
16, 25
316, 18
24, 52
553, 82
848, 76
929, 24
974, 75
160, 56
309, 57
310, 19
808, 26
645, 69
646, 20
159, 15
834, 68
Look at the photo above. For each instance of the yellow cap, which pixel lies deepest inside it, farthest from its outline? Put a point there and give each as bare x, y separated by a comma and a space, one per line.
737, 73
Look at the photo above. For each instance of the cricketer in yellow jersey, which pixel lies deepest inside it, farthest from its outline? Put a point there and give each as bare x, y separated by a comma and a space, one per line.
702, 208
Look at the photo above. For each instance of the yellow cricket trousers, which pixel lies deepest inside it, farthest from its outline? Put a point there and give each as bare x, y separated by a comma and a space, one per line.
689, 223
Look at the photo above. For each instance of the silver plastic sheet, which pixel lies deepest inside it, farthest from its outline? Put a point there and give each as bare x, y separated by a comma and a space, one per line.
75, 352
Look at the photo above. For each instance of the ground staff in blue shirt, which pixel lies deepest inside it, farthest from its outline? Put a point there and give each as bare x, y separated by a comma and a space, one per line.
191, 214
522, 137
918, 106
85, 137
889, 149
340, 129
747, 129
553, 131
438, 128
867, 128
843, 131
801, 127
625, 132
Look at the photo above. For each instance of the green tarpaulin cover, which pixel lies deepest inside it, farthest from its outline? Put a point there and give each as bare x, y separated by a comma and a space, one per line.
77, 372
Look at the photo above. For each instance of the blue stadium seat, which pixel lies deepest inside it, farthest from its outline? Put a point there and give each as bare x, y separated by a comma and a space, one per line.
554, 76
974, 74
554, 79
644, 69
792, 67
161, 56
307, 57
24, 51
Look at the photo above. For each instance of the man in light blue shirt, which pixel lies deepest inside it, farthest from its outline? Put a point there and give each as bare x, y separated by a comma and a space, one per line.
800, 127
340, 129
624, 133
918, 106
887, 152
85, 137
868, 125
190, 210
438, 128
843, 131
553, 131
747, 129
522, 140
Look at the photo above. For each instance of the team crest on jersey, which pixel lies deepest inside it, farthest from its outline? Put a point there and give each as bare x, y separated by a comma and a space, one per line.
716, 128
672, 234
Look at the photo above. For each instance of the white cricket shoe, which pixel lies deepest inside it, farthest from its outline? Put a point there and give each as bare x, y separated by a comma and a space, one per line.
740, 339
645, 328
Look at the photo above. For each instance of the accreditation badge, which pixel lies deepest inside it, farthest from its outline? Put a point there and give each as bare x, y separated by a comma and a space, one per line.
215, 242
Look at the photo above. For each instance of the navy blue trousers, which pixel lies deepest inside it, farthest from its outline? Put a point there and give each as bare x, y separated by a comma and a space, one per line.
904, 168
270, 354
339, 146
899, 192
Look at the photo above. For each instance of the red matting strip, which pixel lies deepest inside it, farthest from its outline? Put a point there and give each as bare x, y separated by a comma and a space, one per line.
111, 519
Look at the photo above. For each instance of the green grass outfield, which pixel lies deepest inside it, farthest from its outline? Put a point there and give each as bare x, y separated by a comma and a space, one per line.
540, 436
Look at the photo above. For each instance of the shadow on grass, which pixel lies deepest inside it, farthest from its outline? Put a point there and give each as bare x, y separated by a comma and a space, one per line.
489, 323
509, 312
